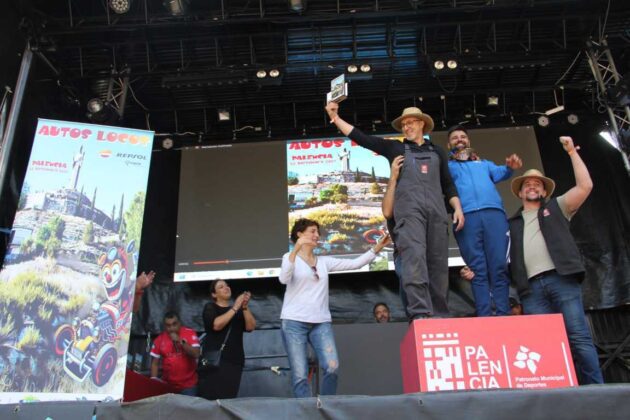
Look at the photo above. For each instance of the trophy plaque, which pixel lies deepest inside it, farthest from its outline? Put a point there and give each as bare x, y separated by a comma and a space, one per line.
338, 90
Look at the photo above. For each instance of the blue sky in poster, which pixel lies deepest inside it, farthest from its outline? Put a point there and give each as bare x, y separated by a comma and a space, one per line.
322, 156
115, 168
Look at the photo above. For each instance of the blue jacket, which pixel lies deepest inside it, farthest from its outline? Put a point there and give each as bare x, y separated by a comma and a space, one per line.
475, 181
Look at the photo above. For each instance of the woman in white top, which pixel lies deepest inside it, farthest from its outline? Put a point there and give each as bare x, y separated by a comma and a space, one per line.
305, 313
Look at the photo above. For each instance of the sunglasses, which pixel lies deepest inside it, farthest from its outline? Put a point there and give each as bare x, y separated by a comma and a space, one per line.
314, 268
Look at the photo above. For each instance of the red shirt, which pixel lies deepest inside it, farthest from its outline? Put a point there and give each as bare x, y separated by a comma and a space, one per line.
178, 368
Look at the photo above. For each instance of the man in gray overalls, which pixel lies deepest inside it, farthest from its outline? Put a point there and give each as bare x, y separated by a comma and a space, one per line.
421, 232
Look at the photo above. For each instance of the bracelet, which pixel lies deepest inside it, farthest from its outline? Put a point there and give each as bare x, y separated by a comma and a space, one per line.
246, 309
333, 119
570, 152
139, 291
235, 310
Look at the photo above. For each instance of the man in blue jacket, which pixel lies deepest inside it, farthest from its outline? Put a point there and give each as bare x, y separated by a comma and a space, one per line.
483, 242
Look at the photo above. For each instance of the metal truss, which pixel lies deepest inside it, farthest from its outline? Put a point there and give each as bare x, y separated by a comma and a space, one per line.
603, 67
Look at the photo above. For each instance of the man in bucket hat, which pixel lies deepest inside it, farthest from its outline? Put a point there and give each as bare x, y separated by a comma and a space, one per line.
421, 221
545, 262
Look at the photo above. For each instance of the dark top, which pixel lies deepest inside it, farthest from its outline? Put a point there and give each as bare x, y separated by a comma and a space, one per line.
233, 350
392, 148
562, 248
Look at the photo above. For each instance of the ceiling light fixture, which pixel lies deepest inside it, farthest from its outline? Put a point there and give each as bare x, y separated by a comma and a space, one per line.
297, 5
176, 7
120, 6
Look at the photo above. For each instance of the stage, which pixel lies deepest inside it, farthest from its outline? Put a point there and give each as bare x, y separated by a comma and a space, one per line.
587, 402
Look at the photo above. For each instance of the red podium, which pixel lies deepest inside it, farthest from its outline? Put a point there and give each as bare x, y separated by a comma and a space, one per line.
524, 352
139, 386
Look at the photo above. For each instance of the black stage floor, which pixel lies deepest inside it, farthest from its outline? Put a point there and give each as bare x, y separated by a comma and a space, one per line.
588, 402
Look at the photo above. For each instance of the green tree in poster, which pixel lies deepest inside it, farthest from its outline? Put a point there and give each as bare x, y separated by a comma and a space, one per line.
357, 176
133, 218
373, 175
88, 233
375, 188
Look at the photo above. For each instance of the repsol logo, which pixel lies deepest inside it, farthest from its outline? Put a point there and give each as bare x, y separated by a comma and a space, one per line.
131, 156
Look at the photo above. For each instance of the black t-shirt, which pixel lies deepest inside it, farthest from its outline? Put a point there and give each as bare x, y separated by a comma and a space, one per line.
233, 350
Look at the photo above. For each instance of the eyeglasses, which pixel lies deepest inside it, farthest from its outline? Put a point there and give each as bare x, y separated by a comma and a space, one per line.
409, 123
314, 268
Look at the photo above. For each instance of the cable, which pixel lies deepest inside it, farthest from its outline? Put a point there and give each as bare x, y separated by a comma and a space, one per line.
569, 69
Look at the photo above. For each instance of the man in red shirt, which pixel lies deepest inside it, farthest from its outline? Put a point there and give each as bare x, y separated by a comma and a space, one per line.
178, 348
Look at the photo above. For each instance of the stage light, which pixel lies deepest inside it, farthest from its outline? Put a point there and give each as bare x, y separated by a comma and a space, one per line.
120, 6
274, 72
438, 64
543, 121
555, 110
167, 143
365, 68
224, 114
101, 113
95, 105
261, 74
352, 68
611, 138
451, 64
573, 119
176, 7
493, 100
297, 5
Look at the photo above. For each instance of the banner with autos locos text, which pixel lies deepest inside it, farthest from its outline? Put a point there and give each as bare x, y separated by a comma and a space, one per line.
67, 285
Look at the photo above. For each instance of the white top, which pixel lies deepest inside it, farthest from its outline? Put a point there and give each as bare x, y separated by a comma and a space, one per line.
306, 297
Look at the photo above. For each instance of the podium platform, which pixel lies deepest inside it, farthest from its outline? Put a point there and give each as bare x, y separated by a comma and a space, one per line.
521, 352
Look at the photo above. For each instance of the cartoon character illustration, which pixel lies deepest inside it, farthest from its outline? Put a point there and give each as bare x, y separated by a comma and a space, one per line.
88, 345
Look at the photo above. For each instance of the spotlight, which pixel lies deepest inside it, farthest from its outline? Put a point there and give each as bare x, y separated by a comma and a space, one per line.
297, 5
100, 112
261, 74
543, 121
352, 68
176, 7
451, 64
493, 100
438, 64
95, 105
120, 6
224, 114
611, 138
573, 119
167, 143
274, 72
365, 68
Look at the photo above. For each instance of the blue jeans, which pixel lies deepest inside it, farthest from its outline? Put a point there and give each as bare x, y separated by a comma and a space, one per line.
484, 243
192, 391
296, 335
554, 293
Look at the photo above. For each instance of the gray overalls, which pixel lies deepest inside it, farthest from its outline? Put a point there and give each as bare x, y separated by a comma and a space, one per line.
421, 233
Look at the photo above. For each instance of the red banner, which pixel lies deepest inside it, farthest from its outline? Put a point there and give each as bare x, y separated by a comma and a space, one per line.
524, 352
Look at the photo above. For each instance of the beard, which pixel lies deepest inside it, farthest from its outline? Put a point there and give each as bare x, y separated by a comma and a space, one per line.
537, 199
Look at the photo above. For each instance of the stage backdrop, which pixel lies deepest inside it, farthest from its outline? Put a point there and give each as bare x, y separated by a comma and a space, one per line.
237, 202
67, 287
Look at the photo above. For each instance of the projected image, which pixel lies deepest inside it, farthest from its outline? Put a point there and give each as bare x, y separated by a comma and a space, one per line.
340, 185
238, 202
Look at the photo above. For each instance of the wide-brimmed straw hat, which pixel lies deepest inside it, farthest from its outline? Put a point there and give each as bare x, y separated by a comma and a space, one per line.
517, 182
413, 112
